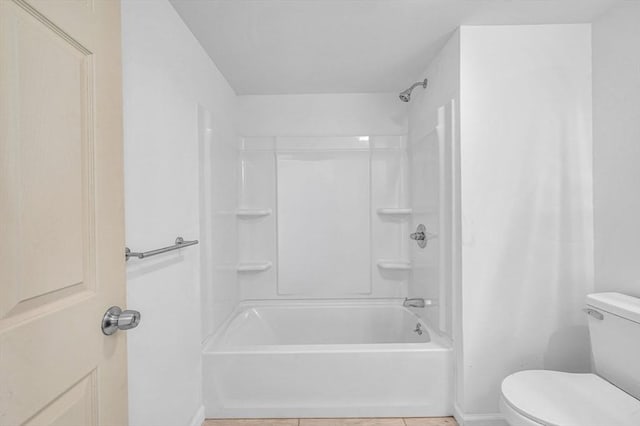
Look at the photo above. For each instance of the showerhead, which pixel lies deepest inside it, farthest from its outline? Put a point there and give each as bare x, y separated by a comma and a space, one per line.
405, 96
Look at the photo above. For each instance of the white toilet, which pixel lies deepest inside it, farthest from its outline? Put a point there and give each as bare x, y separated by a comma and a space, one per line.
609, 398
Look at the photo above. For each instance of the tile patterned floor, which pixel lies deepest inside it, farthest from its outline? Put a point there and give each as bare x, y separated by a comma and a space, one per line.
430, 421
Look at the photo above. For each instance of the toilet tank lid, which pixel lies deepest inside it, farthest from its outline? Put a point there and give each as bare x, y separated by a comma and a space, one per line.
618, 304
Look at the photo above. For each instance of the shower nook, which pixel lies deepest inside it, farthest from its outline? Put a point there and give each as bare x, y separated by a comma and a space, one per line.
342, 266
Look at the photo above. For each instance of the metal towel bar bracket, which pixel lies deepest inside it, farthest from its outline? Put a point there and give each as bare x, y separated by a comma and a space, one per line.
180, 242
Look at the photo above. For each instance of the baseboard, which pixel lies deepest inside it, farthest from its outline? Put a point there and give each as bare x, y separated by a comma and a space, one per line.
198, 417
321, 412
464, 419
457, 414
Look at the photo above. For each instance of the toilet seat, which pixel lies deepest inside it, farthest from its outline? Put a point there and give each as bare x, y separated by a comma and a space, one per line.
555, 398
513, 417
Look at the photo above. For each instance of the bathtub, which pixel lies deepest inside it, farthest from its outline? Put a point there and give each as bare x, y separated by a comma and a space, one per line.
326, 359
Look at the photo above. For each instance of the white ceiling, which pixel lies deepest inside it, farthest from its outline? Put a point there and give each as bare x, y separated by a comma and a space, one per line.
336, 46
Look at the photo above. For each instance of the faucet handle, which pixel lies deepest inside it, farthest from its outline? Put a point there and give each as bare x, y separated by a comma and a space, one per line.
421, 236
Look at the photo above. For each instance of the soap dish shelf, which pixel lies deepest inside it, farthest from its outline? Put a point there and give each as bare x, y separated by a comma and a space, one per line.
252, 213
254, 266
394, 264
394, 211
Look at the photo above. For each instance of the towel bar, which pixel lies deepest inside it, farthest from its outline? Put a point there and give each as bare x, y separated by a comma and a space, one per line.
180, 242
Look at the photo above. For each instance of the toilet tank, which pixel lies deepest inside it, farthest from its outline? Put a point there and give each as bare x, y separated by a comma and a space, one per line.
614, 327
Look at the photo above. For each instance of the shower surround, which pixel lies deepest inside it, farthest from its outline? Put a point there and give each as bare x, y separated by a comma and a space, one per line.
323, 217
325, 261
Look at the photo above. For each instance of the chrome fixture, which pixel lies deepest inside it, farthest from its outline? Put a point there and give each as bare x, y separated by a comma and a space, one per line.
592, 312
421, 236
116, 319
416, 302
418, 329
406, 95
180, 242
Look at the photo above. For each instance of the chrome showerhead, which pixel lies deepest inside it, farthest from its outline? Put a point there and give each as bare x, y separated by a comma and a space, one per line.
405, 96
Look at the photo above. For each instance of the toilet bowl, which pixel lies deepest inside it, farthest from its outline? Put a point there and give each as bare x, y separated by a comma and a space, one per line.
608, 398
554, 398
513, 417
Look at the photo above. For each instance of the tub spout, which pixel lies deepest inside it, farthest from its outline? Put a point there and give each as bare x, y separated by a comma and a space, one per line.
415, 302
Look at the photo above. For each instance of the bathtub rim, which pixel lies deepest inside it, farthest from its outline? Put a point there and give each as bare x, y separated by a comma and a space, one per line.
437, 342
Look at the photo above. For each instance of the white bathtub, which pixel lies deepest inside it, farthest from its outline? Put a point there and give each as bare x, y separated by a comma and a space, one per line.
326, 359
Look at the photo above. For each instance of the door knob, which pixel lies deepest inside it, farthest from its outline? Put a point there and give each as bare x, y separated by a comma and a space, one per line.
116, 319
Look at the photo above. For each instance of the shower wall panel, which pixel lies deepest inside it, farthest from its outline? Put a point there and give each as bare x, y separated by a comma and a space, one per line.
323, 221
269, 124
430, 154
432, 140
391, 215
323, 217
257, 247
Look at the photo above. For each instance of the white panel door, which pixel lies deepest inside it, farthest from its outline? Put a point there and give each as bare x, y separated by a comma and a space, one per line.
61, 213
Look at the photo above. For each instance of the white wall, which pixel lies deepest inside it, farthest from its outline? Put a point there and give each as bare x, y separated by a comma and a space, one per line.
616, 148
322, 115
526, 188
166, 76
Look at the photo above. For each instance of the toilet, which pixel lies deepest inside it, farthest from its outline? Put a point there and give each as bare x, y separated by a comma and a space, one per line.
611, 397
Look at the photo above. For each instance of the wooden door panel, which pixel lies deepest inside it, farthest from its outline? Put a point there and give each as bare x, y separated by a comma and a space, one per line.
61, 213
49, 362
49, 171
76, 406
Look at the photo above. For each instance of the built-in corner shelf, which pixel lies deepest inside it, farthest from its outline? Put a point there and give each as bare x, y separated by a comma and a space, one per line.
254, 266
252, 213
394, 211
394, 264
